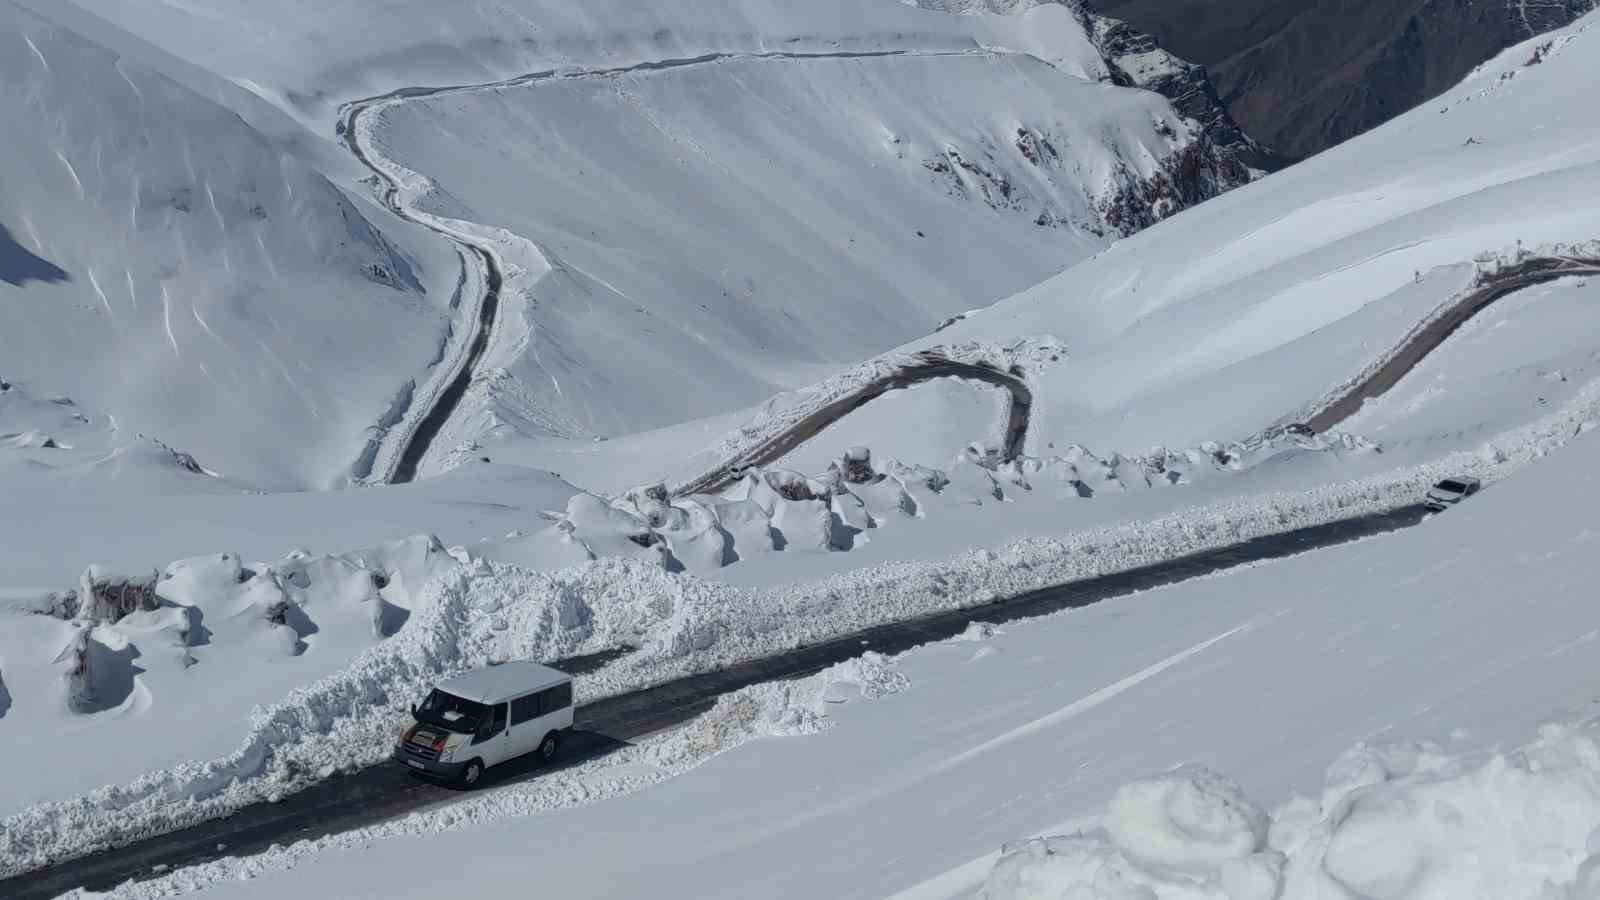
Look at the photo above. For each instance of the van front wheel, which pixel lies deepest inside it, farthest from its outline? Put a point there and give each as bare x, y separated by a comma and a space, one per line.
472, 774
547, 747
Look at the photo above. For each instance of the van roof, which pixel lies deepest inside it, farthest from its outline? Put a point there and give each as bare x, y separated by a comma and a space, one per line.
495, 684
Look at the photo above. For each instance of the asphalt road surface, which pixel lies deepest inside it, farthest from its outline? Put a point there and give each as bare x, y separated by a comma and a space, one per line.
388, 791
924, 366
1526, 274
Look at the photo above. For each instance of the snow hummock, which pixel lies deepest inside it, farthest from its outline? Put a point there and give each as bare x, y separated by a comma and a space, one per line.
1406, 821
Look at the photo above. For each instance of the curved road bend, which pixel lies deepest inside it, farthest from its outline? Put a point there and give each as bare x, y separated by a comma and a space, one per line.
925, 366
387, 791
1529, 273
421, 435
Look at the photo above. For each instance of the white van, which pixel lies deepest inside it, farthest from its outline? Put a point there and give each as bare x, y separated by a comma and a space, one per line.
1449, 492
485, 717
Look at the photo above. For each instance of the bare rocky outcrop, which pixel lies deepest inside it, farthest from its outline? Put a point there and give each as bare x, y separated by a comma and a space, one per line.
856, 465
102, 596
1137, 59
1219, 157
107, 597
1307, 75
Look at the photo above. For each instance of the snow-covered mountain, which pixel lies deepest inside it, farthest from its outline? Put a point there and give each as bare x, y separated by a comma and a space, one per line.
694, 208
169, 264
1126, 412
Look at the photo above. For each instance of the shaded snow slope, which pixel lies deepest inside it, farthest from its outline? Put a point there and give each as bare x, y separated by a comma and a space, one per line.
167, 264
1211, 320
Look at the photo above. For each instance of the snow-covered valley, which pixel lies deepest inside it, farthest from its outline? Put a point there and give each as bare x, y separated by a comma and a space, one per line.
660, 440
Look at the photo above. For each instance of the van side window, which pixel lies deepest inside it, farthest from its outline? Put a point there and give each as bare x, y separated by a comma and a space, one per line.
524, 708
493, 725
555, 699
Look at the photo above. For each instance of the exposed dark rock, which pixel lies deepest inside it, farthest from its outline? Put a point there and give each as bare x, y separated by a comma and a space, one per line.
857, 466
1219, 157
1137, 59
107, 597
1306, 75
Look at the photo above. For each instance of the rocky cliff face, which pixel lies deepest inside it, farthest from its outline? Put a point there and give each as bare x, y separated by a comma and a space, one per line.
1137, 59
1304, 76
1219, 157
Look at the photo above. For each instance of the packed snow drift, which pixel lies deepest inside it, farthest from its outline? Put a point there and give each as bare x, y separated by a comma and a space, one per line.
1407, 821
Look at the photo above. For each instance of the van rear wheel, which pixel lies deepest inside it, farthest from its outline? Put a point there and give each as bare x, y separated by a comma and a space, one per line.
472, 774
548, 746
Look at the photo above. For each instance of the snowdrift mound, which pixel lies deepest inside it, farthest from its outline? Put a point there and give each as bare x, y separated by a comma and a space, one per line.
150, 236
141, 660
1404, 822
48, 443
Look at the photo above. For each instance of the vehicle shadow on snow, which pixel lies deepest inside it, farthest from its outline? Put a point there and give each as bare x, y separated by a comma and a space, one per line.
577, 747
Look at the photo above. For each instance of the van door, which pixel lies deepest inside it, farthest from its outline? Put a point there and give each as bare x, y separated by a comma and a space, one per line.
555, 707
492, 743
525, 731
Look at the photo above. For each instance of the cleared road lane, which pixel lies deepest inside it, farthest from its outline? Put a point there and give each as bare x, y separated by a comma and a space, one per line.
386, 791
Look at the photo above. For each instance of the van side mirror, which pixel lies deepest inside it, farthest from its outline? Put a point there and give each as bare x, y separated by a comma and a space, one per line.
413, 710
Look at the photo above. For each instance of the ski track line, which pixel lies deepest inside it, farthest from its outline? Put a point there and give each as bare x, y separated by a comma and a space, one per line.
906, 780
1084, 704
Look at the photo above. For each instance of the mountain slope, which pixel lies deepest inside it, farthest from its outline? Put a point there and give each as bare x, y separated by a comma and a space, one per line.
715, 231
1216, 323
698, 204
168, 264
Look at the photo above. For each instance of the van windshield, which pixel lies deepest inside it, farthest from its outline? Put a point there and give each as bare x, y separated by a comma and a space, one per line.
451, 713
1451, 486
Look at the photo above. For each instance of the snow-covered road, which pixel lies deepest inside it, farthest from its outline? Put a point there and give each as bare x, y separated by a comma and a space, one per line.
387, 792
1429, 334
917, 369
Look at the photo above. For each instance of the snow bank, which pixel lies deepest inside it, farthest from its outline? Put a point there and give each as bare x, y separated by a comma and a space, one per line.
1187, 835
472, 613
785, 412
776, 709
1404, 822
1489, 269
